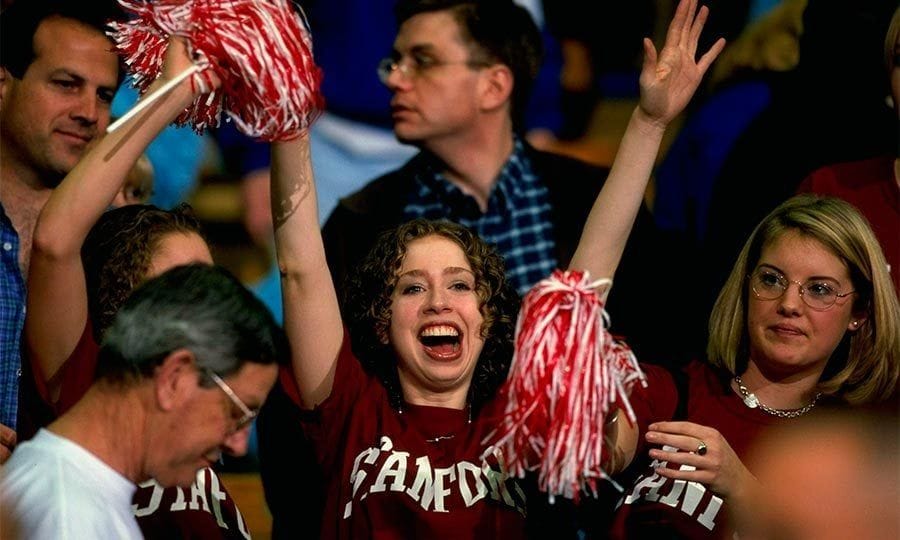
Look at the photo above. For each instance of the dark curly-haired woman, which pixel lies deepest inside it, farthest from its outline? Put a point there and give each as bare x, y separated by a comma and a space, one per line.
405, 397
370, 292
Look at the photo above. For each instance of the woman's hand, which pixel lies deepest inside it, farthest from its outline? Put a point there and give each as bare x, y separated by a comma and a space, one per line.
668, 80
718, 468
179, 58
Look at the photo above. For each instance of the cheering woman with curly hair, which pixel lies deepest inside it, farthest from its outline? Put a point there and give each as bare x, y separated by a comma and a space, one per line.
400, 408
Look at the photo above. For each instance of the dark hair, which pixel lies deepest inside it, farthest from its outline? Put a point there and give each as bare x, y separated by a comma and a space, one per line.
19, 23
498, 31
118, 251
201, 308
367, 306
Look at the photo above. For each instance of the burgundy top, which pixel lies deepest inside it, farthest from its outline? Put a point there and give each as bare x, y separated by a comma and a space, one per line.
422, 473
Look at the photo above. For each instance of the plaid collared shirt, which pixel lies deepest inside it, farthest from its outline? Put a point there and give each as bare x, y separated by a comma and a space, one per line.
12, 319
517, 221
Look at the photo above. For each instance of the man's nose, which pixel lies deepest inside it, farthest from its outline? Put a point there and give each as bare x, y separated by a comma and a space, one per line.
236, 443
399, 78
86, 110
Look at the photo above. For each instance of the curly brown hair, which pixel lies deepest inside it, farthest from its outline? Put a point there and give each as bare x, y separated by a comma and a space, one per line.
367, 306
117, 252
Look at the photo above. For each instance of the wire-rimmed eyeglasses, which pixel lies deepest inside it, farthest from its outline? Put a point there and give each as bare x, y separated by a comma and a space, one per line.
248, 413
819, 294
416, 65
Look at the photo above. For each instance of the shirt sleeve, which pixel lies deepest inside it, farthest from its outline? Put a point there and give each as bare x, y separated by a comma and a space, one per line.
75, 376
325, 423
655, 402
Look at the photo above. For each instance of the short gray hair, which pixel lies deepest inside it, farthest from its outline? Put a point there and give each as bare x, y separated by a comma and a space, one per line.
201, 308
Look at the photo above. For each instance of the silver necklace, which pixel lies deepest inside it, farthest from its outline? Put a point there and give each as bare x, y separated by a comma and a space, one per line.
440, 438
753, 402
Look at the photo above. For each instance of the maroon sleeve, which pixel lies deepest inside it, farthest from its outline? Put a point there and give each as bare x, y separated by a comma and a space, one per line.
654, 402
325, 424
75, 375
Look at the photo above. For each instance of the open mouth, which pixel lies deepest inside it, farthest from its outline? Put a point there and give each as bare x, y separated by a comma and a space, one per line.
441, 341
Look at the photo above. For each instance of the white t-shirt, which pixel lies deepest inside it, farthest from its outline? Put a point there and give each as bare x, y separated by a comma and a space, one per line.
54, 488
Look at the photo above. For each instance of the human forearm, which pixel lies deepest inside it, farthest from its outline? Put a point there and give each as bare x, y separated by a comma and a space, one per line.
611, 218
311, 314
668, 81
57, 303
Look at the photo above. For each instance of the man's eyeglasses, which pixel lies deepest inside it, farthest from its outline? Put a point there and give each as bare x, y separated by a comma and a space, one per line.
819, 294
248, 414
417, 65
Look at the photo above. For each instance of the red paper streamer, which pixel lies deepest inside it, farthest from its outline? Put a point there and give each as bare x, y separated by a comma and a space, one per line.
567, 374
260, 49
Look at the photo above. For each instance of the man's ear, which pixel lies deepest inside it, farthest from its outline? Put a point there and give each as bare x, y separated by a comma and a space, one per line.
497, 86
175, 379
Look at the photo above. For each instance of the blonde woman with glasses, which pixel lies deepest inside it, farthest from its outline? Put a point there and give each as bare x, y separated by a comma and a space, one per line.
807, 316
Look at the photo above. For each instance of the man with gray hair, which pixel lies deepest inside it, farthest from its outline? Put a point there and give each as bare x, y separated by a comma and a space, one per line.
182, 371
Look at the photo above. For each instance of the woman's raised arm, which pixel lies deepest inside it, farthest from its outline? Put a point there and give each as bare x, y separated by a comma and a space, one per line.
57, 297
312, 318
668, 81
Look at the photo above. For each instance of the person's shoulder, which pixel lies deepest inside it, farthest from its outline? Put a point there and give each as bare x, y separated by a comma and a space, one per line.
569, 181
553, 167
657, 374
712, 379
380, 192
833, 178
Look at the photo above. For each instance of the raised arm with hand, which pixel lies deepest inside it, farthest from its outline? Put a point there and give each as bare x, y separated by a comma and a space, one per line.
312, 318
57, 296
668, 81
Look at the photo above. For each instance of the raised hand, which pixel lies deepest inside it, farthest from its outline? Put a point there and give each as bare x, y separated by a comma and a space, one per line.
669, 79
179, 58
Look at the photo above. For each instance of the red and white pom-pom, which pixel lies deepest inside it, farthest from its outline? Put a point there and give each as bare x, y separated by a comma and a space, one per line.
260, 49
567, 374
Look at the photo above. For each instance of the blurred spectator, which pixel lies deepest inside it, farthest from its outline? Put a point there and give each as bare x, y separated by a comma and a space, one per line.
175, 157
601, 53
138, 186
835, 475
